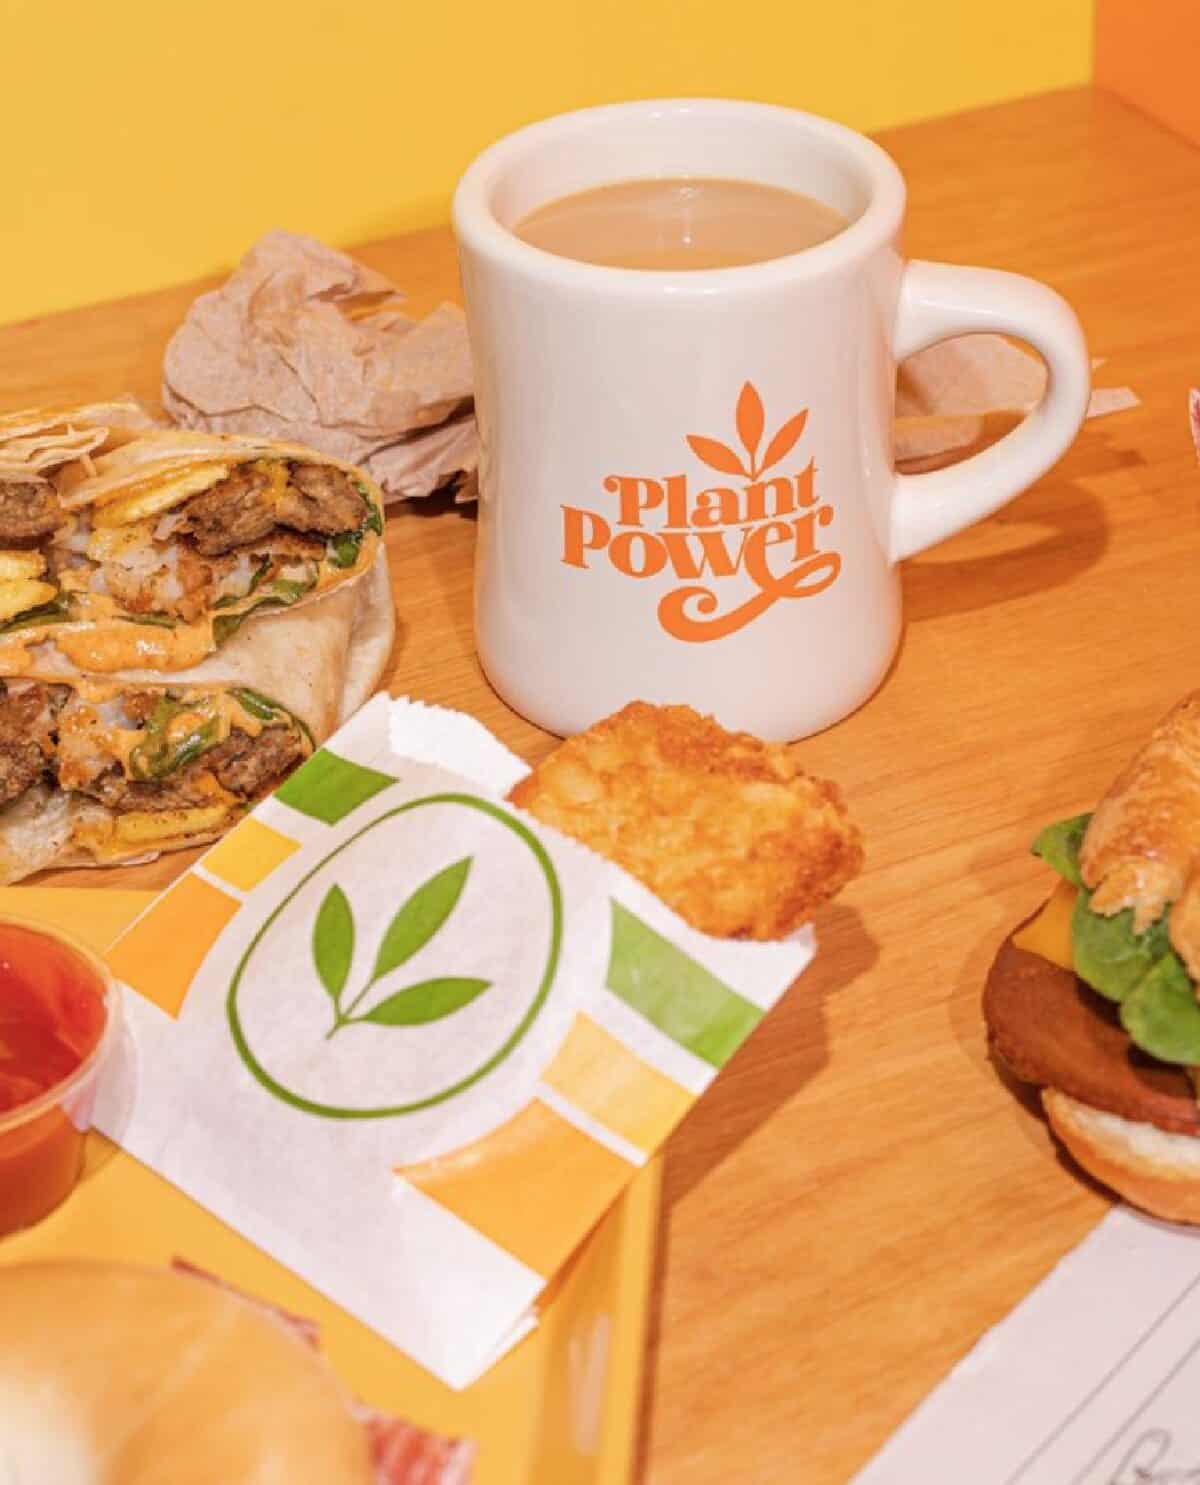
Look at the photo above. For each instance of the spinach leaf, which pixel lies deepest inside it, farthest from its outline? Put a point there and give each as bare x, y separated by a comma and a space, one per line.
281, 593
1108, 955
225, 625
1162, 1014
1058, 846
285, 591
256, 578
344, 548
374, 521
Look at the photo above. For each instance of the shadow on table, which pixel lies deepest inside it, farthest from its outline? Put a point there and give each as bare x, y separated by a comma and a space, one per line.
641, 1459
1074, 535
777, 1061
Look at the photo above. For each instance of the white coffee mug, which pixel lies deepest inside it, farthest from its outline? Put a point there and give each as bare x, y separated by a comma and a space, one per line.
687, 491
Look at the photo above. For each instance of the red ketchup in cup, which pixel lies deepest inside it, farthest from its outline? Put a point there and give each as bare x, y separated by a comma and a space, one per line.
58, 1022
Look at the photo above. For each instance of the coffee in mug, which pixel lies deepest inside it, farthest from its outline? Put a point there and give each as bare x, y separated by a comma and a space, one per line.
689, 223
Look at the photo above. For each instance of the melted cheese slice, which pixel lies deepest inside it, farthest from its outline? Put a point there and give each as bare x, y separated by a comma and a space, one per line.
1049, 934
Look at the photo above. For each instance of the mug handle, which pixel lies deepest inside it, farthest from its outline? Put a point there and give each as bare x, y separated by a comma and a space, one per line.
938, 301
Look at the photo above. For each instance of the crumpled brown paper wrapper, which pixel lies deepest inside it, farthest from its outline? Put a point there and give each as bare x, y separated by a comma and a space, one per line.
960, 395
304, 343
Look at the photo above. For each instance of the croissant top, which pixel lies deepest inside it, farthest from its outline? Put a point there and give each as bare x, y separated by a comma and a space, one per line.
1142, 847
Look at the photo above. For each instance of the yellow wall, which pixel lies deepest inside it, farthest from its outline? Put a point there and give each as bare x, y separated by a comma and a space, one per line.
147, 141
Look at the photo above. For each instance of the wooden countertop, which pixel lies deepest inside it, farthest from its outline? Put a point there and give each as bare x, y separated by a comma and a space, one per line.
860, 1196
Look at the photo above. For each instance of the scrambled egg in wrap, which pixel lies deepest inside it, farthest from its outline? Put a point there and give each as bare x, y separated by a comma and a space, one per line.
127, 546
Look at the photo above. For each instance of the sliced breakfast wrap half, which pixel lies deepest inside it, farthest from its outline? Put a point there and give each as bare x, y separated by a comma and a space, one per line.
101, 769
151, 552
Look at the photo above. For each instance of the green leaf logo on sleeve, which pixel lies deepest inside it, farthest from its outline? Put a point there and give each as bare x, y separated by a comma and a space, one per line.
415, 923
330, 956
682, 998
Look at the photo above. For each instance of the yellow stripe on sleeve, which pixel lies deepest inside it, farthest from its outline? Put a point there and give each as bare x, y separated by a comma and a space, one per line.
603, 1078
248, 854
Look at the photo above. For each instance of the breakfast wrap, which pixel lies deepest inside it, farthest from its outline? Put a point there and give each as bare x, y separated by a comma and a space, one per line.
151, 549
100, 769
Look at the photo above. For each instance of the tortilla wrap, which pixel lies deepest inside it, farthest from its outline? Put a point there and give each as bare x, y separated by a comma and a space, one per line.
149, 549
305, 670
38, 440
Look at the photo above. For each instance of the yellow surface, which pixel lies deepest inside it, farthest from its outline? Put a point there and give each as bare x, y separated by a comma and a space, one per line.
151, 142
601, 1076
562, 1407
1049, 934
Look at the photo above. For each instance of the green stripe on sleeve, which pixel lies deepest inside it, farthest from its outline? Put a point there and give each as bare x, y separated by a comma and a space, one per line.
328, 787
676, 994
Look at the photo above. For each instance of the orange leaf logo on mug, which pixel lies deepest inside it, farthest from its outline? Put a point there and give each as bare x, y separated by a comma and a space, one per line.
766, 528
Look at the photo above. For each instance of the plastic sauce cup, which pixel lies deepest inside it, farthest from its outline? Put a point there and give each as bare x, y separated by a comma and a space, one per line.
59, 1025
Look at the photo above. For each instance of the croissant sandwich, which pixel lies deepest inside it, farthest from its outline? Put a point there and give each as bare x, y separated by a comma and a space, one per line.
1094, 1000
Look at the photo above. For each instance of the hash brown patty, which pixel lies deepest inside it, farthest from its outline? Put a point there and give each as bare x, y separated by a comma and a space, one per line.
726, 829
